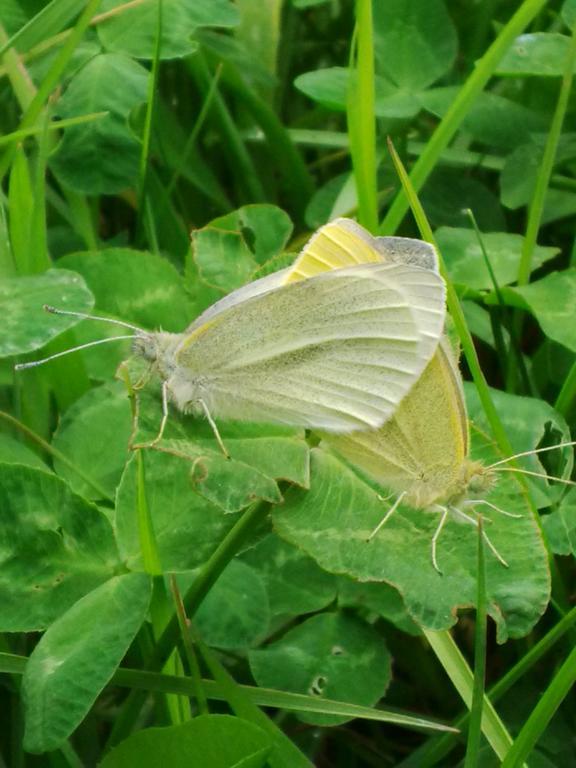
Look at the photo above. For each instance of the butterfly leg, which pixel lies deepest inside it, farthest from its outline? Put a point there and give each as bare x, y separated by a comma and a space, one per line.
436, 536
165, 413
474, 502
214, 428
485, 536
387, 516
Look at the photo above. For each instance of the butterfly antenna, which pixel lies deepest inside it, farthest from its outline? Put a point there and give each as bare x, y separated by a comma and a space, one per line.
35, 363
530, 453
84, 316
536, 474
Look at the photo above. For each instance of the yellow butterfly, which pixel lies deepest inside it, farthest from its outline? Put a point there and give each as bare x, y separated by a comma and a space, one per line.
421, 454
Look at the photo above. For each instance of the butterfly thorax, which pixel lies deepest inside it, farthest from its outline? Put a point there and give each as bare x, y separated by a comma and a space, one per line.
448, 486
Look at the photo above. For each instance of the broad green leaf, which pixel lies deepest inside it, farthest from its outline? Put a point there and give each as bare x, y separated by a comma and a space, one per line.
77, 656
134, 30
235, 613
530, 423
294, 582
540, 54
463, 256
187, 527
209, 741
12, 451
518, 176
551, 300
187, 524
518, 179
137, 286
329, 87
332, 522
331, 655
276, 451
223, 258
226, 482
569, 13
101, 156
449, 193
560, 525
12, 16
414, 41
56, 547
492, 120
94, 433
26, 325
380, 598
134, 286
266, 229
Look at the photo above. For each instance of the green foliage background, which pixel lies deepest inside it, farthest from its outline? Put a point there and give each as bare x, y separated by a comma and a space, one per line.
154, 156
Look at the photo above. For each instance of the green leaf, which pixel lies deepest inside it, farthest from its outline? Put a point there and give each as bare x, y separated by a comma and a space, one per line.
210, 741
530, 423
332, 655
414, 40
94, 432
14, 452
551, 301
77, 656
560, 525
332, 522
135, 285
330, 86
101, 156
539, 54
492, 120
381, 598
134, 30
463, 256
449, 192
56, 547
223, 258
294, 582
27, 326
230, 484
234, 614
187, 527
12, 16
266, 229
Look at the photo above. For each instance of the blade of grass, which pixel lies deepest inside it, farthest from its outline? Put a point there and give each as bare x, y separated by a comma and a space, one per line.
52, 77
297, 183
459, 108
475, 726
360, 116
207, 576
455, 309
541, 715
435, 750
264, 697
232, 143
148, 122
462, 678
47, 22
536, 207
567, 396
53, 125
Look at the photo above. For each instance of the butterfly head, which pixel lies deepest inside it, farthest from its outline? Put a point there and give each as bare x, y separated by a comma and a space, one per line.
158, 348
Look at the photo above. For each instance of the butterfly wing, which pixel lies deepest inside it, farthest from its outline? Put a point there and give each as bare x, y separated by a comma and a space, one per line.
338, 351
422, 449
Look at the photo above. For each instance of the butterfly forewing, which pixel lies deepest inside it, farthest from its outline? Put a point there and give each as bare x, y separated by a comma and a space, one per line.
338, 351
